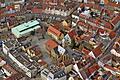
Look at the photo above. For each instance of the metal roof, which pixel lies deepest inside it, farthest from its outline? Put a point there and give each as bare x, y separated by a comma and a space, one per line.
25, 28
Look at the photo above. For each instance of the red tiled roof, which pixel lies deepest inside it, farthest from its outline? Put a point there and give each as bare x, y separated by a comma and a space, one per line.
115, 20
94, 6
107, 58
10, 7
36, 10
9, 68
72, 33
54, 31
85, 51
108, 25
100, 30
93, 68
113, 4
112, 34
51, 44
36, 49
16, 76
82, 16
106, 1
109, 67
97, 51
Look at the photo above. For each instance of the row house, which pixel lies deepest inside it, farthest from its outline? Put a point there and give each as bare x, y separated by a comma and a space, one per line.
113, 70
18, 57
96, 52
34, 51
7, 72
115, 51
56, 34
14, 1
58, 11
66, 66
92, 70
69, 38
56, 51
115, 22
91, 21
53, 2
53, 73
3, 25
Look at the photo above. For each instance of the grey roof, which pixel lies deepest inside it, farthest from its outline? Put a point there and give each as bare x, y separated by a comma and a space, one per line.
56, 71
23, 58
74, 54
12, 43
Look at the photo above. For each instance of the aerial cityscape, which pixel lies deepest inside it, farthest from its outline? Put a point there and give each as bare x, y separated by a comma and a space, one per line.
59, 39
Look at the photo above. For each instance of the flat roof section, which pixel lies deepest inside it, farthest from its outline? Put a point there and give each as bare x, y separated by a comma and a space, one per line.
24, 28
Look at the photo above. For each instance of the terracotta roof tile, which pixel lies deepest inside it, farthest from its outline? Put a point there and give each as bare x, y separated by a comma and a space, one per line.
112, 34
54, 31
100, 30
51, 44
113, 4
115, 20
93, 68
109, 67
10, 7
97, 51
72, 33
85, 51
9, 68
108, 25
36, 10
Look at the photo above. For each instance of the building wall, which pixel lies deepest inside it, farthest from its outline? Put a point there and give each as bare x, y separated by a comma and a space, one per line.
68, 68
27, 71
43, 77
54, 36
53, 54
5, 49
62, 78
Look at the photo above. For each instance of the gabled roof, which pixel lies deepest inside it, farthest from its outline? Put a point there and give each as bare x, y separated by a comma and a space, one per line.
93, 68
97, 51
85, 51
72, 33
113, 4
54, 31
108, 25
36, 10
115, 20
10, 7
51, 44
100, 30
112, 34
9, 68
110, 68
65, 63
35, 49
